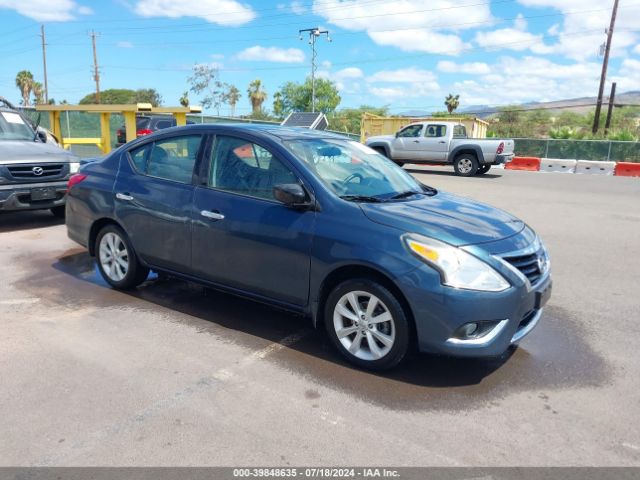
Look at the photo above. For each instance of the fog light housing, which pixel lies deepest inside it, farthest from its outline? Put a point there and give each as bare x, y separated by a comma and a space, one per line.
469, 329
474, 330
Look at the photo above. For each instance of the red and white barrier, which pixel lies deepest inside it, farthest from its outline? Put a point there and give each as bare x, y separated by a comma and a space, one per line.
531, 164
627, 169
558, 165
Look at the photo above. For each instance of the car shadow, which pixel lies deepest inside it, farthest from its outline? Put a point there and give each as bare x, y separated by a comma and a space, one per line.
26, 220
555, 356
446, 173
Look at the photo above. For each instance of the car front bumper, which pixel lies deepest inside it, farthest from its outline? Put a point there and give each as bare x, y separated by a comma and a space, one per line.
440, 312
18, 196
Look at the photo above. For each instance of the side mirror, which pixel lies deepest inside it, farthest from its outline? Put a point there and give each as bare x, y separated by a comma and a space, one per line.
397, 134
291, 194
42, 136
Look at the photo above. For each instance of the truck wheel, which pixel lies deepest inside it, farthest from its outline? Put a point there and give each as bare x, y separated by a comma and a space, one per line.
483, 169
58, 211
466, 165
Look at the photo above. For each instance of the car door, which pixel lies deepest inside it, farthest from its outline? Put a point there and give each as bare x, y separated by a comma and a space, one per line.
408, 143
242, 236
435, 144
154, 194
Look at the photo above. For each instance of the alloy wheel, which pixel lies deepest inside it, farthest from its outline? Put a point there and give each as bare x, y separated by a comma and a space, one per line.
364, 325
114, 256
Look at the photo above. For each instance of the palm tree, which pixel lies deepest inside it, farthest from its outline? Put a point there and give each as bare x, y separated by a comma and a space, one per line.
184, 99
38, 93
278, 107
231, 97
257, 95
452, 102
24, 82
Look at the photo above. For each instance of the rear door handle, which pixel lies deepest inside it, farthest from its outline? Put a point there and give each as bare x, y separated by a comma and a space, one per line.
416, 141
442, 141
212, 215
124, 196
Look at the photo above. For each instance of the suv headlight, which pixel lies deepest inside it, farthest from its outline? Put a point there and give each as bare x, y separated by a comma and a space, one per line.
458, 269
74, 167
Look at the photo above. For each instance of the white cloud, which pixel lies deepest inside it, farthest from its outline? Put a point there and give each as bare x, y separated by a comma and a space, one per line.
222, 12
637, 49
516, 38
405, 83
47, 10
430, 27
124, 44
529, 79
347, 80
298, 7
581, 35
217, 56
404, 75
258, 53
474, 68
628, 77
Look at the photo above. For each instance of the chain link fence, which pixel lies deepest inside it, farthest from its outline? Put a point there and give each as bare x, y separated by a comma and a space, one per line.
87, 125
579, 149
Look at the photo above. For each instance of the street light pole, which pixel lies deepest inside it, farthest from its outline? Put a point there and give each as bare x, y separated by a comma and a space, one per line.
314, 34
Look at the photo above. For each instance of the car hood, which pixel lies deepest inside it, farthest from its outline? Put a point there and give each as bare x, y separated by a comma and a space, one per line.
18, 151
450, 218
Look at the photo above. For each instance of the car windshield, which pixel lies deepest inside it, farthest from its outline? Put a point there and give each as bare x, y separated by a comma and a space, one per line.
13, 127
354, 171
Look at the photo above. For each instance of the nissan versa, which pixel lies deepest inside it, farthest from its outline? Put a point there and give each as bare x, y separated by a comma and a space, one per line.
320, 225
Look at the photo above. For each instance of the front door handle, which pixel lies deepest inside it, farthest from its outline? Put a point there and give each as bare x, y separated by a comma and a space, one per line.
442, 141
124, 196
212, 215
416, 141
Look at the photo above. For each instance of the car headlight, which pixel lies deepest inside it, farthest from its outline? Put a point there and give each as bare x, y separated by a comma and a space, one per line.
74, 167
458, 269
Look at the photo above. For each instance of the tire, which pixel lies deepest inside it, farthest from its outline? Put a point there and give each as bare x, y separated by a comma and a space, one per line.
58, 211
465, 165
391, 338
483, 169
125, 273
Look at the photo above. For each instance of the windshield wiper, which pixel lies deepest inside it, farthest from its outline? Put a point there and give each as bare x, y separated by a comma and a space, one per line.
361, 198
408, 193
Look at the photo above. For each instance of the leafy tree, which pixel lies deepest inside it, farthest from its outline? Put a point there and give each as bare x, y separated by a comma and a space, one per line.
124, 96
296, 97
205, 80
184, 99
349, 120
231, 97
257, 95
147, 95
452, 102
24, 82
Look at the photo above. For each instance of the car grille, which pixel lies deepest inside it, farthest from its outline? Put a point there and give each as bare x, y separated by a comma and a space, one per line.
528, 265
31, 171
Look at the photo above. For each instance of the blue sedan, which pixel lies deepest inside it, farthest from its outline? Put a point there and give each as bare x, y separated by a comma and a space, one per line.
320, 225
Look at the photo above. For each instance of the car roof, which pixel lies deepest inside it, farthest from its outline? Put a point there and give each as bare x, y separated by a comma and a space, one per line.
261, 130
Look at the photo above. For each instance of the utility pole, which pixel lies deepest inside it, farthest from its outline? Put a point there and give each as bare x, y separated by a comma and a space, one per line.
314, 34
96, 69
605, 64
44, 64
612, 98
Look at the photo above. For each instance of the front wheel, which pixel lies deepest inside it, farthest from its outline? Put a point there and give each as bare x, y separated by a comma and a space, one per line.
367, 324
483, 169
465, 165
117, 261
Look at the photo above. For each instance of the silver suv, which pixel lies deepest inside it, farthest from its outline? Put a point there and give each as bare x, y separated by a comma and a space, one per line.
33, 172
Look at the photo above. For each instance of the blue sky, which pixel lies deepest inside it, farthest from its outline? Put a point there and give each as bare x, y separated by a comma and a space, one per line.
404, 54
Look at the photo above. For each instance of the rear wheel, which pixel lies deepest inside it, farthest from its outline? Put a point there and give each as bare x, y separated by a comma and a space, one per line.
117, 261
483, 169
465, 165
58, 211
367, 324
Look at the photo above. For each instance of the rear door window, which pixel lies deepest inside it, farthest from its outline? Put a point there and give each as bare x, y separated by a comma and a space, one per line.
170, 158
435, 131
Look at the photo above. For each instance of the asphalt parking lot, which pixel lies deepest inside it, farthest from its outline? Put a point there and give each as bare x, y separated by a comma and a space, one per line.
175, 374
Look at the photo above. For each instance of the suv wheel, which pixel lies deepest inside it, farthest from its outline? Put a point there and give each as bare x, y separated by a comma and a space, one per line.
58, 211
466, 165
117, 261
367, 324
483, 169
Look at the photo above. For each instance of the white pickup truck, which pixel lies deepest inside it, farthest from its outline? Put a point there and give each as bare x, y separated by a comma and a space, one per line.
440, 143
